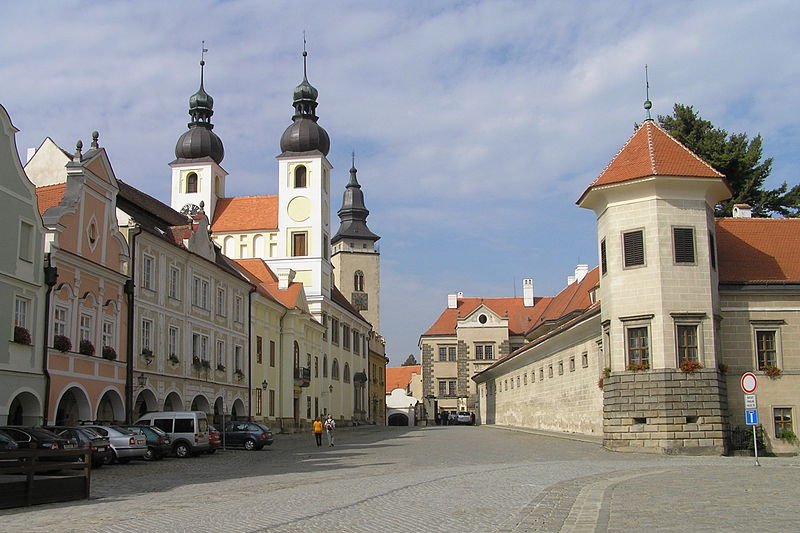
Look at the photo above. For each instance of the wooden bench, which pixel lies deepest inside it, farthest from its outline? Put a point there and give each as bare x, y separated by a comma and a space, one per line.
27, 479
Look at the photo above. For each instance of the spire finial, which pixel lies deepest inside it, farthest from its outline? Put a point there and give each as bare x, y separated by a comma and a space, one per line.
354, 159
305, 55
78, 148
203, 51
95, 138
647, 103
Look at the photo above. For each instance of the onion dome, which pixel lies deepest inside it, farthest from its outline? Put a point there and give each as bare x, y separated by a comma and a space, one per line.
199, 141
304, 134
353, 214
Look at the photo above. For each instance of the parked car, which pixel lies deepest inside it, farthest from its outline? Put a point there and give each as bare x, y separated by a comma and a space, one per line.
159, 445
36, 437
249, 435
86, 438
125, 444
7, 442
464, 417
214, 438
452, 417
187, 429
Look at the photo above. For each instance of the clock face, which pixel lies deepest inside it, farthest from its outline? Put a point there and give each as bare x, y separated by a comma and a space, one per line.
190, 210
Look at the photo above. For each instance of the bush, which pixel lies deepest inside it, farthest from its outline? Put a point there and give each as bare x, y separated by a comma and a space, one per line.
787, 435
86, 347
109, 353
62, 343
600, 383
22, 335
689, 366
173, 359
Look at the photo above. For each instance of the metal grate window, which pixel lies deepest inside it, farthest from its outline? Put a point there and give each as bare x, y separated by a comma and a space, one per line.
683, 241
633, 245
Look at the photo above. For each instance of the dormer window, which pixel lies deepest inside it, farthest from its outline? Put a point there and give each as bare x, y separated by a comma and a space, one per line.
191, 182
300, 177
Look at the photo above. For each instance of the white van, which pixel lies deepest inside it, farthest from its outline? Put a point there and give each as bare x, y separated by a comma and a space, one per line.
187, 429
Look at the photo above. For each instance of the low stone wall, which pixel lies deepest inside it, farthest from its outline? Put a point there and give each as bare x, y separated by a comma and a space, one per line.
665, 411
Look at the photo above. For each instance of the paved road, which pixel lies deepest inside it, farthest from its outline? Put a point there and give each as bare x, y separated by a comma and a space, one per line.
437, 479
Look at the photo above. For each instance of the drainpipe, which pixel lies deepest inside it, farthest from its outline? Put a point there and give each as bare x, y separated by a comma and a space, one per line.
50, 278
250, 354
130, 285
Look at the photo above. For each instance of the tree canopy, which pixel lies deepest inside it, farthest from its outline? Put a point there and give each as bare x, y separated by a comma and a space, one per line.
738, 158
410, 360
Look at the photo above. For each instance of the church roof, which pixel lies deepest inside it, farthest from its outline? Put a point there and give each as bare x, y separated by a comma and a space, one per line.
267, 283
758, 250
651, 151
353, 213
50, 196
246, 213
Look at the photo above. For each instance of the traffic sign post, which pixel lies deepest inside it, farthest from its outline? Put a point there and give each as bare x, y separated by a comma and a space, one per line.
749, 384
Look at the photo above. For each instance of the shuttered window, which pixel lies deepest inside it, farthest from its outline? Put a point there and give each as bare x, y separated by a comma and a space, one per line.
633, 247
683, 241
603, 264
712, 250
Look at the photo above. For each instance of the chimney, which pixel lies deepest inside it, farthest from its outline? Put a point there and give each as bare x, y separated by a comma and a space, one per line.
570, 280
742, 211
527, 292
452, 301
31, 153
285, 278
580, 272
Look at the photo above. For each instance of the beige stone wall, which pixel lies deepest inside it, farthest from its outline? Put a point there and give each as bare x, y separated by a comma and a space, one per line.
743, 311
568, 401
345, 264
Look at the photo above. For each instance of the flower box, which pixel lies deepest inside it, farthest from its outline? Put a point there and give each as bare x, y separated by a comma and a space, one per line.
689, 367
205, 363
173, 359
86, 347
771, 371
22, 335
62, 343
109, 353
638, 367
221, 367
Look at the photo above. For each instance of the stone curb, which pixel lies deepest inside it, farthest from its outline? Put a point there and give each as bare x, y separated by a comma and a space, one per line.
569, 436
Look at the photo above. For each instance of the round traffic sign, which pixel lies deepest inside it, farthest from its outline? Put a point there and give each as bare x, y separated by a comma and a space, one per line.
749, 382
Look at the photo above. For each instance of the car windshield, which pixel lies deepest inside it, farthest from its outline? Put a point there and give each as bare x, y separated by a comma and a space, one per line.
90, 432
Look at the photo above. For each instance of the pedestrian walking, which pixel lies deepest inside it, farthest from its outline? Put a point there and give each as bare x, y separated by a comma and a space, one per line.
318, 431
330, 427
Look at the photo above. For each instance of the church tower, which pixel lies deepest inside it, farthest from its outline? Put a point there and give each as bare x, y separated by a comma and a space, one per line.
197, 177
356, 258
304, 197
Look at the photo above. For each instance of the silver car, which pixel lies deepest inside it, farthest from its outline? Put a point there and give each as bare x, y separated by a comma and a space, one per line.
125, 444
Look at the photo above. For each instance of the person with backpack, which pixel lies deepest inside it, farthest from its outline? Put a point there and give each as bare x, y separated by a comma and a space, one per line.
318, 431
330, 427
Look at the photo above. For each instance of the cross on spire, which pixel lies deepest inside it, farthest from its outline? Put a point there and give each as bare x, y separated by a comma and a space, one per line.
647, 103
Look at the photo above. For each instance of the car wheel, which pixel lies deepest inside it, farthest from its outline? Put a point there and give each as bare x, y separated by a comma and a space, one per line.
109, 458
182, 450
249, 444
150, 454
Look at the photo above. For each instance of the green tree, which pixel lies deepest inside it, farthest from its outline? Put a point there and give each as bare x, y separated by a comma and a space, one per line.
738, 158
410, 360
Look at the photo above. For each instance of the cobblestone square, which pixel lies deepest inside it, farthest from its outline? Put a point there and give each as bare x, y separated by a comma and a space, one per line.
448, 479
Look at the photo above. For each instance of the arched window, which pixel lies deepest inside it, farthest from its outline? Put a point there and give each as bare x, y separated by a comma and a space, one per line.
300, 177
358, 281
296, 355
324, 366
335, 369
346, 376
191, 182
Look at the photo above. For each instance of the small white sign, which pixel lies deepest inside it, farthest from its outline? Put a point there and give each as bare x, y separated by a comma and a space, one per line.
750, 401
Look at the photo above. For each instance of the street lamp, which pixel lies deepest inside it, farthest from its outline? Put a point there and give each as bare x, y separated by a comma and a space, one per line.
330, 389
141, 381
264, 384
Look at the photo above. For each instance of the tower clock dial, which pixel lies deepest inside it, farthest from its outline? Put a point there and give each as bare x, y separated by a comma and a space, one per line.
190, 209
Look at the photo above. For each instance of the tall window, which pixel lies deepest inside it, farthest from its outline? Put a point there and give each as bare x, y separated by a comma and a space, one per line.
766, 350
25, 241
451, 387
60, 326
687, 343
147, 334
237, 358
442, 388
108, 333
272, 354
346, 376
358, 281
200, 293
325, 325
259, 349
299, 244
271, 402
683, 244
316, 366
324, 366
86, 327
442, 353
638, 347
174, 283
21, 306
300, 181
258, 399
237, 309
200, 346
356, 343
783, 421
603, 261
220, 360
296, 355
712, 251
484, 351
172, 341
191, 182
147, 272
335, 369
221, 301
633, 248
451, 353
345, 336
335, 330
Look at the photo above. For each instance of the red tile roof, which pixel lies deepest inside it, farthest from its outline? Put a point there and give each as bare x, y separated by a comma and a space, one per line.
758, 250
573, 299
245, 213
400, 376
520, 317
50, 196
269, 282
651, 151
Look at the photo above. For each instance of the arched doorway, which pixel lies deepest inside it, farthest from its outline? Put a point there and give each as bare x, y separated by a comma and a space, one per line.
145, 403
237, 411
110, 408
218, 412
200, 403
25, 410
173, 402
73, 407
398, 419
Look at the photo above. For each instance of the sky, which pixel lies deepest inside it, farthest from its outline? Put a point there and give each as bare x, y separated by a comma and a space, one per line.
476, 125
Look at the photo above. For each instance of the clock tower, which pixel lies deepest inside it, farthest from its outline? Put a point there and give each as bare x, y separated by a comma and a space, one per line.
197, 177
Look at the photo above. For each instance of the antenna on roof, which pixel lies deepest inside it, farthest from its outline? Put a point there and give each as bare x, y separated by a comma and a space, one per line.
647, 103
